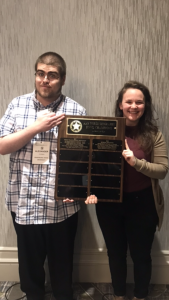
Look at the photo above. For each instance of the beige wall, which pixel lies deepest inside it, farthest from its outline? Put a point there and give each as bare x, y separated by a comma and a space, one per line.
105, 43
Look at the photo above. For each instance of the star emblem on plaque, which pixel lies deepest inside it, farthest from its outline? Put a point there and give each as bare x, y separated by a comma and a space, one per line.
76, 126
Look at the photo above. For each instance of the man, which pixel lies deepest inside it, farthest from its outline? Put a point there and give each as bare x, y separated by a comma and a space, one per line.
44, 227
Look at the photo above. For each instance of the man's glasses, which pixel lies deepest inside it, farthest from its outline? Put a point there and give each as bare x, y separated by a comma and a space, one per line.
50, 76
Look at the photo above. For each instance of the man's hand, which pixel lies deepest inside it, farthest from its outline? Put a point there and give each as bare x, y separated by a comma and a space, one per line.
15, 141
47, 121
92, 199
68, 200
128, 155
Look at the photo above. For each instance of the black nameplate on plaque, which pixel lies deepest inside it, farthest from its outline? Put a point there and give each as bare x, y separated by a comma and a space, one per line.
70, 143
113, 145
74, 155
100, 156
89, 158
92, 127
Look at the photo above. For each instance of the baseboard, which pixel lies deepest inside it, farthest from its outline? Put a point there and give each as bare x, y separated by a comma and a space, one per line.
9, 264
89, 266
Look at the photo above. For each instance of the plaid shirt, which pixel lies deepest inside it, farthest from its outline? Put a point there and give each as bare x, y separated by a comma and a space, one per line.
30, 190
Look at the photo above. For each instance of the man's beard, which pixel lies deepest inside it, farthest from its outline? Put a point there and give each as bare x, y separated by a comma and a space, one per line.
48, 94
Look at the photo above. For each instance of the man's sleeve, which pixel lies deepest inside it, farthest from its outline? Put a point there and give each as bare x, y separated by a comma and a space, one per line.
7, 123
84, 112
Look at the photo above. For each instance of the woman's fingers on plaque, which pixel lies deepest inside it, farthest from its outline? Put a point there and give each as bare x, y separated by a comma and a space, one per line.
92, 199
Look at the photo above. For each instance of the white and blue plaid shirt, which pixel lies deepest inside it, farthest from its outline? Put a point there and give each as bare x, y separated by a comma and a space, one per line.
30, 190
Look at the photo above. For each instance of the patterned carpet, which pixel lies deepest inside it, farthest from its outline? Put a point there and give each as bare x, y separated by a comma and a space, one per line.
86, 291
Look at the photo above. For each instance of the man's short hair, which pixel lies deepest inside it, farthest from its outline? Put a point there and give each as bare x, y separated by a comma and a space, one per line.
54, 59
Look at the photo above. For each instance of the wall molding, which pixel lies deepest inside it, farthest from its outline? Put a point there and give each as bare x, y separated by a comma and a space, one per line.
90, 265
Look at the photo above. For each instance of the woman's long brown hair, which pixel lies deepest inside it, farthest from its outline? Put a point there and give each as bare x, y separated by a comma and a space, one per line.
147, 127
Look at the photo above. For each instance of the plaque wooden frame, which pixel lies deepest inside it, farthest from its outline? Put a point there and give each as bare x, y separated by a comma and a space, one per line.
89, 158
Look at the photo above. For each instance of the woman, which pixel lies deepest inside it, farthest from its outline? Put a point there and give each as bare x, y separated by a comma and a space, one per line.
133, 223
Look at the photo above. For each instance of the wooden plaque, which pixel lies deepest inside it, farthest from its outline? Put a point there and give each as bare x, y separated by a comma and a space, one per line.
89, 158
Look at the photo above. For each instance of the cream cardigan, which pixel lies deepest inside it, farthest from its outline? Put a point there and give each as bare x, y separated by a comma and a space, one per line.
156, 169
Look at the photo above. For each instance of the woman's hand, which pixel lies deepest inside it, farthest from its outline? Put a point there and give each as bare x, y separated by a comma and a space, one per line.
92, 199
128, 155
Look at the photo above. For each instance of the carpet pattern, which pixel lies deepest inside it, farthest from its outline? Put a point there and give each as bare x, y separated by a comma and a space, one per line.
86, 291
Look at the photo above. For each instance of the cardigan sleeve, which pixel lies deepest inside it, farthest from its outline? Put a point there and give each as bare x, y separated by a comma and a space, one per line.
158, 168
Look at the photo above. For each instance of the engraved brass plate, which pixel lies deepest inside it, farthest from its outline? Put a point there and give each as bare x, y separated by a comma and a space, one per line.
91, 127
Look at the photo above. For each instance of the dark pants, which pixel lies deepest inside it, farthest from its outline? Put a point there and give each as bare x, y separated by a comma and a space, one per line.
54, 241
131, 223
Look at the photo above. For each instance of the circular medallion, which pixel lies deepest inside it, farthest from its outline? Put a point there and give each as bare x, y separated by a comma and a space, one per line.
76, 126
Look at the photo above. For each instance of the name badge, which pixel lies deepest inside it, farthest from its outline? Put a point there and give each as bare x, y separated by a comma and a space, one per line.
40, 154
